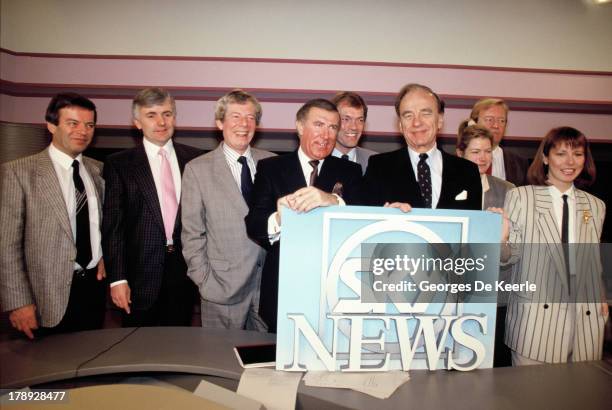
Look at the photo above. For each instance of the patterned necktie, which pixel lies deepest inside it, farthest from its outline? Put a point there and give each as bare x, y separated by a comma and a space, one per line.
424, 179
83, 241
315, 168
168, 194
345, 157
246, 183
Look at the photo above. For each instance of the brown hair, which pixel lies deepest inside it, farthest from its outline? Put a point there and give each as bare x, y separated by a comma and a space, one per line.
408, 88
467, 133
351, 99
537, 173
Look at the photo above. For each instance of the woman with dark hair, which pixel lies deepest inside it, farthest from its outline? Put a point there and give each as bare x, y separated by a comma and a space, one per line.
563, 319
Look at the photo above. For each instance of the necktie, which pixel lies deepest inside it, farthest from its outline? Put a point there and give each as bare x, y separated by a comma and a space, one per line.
83, 241
345, 157
424, 179
246, 183
169, 202
315, 168
565, 234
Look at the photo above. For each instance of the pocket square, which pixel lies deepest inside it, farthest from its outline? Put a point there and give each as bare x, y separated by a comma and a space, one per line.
462, 196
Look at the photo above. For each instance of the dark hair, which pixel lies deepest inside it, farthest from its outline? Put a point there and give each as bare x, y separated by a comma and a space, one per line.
537, 173
408, 88
316, 103
351, 99
64, 100
467, 133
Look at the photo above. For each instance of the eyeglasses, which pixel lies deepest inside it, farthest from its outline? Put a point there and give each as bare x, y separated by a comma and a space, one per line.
492, 120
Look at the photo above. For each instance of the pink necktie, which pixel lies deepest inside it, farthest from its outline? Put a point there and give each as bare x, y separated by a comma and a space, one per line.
169, 203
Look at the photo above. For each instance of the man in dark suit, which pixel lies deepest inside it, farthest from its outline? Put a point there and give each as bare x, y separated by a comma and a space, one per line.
421, 174
302, 180
492, 113
141, 233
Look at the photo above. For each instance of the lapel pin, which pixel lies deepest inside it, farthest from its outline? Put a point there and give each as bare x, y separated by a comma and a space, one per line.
586, 215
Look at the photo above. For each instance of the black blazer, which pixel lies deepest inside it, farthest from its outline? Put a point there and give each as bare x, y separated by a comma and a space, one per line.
275, 178
389, 178
133, 235
516, 168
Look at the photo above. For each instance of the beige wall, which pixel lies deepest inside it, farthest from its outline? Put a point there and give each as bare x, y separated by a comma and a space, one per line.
555, 34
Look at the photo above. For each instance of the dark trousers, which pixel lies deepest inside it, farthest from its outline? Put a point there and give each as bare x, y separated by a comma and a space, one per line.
86, 305
175, 302
502, 355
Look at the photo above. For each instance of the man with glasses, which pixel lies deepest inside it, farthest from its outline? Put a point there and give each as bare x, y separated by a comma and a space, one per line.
492, 113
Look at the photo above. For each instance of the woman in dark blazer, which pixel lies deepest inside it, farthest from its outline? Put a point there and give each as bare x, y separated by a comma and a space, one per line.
563, 320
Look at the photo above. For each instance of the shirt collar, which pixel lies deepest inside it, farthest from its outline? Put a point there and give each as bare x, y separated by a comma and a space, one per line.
352, 154
485, 182
555, 193
152, 149
233, 155
62, 159
304, 159
431, 154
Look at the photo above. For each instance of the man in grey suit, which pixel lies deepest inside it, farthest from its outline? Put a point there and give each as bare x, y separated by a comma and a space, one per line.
222, 261
51, 274
353, 113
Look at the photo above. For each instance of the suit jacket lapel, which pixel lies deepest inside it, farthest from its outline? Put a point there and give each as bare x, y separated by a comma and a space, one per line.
548, 227
143, 177
181, 156
51, 192
294, 177
97, 180
221, 172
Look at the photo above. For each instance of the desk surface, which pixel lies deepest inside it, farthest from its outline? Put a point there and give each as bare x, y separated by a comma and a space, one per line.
206, 352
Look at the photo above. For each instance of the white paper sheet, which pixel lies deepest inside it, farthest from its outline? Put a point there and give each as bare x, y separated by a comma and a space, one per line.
225, 397
380, 385
276, 390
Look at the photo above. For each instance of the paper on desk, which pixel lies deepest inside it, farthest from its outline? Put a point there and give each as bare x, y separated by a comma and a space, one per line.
274, 389
225, 397
380, 384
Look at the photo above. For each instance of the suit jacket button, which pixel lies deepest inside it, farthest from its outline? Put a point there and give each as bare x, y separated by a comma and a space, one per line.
545, 305
588, 312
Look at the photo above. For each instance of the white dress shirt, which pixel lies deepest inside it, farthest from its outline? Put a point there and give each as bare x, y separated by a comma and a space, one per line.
231, 156
274, 228
352, 154
62, 163
434, 160
498, 168
152, 152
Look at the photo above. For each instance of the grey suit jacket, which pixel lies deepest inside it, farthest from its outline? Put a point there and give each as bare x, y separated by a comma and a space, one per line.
539, 324
362, 156
496, 194
222, 260
38, 250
